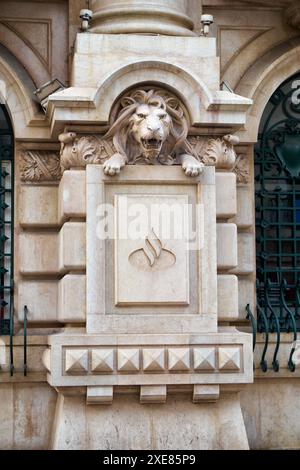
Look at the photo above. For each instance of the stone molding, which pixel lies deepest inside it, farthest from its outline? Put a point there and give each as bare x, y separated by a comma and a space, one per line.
40, 166
109, 360
125, 361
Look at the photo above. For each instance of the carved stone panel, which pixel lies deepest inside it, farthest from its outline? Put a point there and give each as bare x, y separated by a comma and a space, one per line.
155, 267
40, 166
147, 268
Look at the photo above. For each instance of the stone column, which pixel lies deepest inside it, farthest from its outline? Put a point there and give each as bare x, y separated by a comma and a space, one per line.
169, 17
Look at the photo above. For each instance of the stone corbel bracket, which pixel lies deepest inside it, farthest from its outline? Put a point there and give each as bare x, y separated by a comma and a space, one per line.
100, 363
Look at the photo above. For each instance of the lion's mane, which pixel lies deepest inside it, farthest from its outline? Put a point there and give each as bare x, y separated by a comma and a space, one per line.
120, 131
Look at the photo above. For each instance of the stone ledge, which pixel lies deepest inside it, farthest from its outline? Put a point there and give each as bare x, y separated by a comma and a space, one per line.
150, 360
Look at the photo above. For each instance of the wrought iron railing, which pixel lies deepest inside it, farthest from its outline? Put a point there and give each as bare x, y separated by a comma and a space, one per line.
277, 312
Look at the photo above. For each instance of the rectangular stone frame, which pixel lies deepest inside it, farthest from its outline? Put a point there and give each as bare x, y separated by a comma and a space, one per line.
100, 319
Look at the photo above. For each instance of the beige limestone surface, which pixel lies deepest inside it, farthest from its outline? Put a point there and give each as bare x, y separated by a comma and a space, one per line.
271, 413
41, 299
38, 206
129, 425
72, 197
72, 299
258, 52
226, 195
27, 417
246, 255
226, 246
227, 297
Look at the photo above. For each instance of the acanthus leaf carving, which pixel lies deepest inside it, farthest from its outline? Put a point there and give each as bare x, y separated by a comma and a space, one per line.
39, 166
242, 170
216, 152
81, 151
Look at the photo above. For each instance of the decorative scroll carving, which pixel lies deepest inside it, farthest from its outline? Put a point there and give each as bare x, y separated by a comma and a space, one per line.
216, 152
242, 170
81, 151
39, 165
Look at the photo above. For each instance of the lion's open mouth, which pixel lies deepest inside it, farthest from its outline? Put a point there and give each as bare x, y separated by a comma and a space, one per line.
151, 144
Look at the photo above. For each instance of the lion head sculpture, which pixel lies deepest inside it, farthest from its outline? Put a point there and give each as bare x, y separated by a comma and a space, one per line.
150, 126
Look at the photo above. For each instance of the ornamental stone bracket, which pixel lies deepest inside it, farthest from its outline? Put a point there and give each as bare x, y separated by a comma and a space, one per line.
153, 364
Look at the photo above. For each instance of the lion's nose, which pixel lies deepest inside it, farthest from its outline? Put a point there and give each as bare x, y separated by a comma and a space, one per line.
153, 125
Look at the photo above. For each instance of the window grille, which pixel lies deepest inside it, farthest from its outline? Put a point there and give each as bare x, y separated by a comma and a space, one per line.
6, 222
277, 201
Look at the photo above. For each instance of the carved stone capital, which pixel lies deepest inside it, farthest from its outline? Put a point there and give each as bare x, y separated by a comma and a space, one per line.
40, 166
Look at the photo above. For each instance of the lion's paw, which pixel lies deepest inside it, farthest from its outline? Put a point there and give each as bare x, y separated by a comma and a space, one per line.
192, 167
113, 165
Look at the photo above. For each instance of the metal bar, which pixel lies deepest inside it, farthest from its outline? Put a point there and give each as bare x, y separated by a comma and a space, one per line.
250, 317
11, 336
291, 364
25, 340
275, 362
263, 362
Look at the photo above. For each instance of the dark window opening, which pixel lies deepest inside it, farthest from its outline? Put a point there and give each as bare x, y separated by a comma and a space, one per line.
6, 221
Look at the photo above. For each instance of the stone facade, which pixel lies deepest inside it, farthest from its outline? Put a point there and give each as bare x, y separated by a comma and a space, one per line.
150, 109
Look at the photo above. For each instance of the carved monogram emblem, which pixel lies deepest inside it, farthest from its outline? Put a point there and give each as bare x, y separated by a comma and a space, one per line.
152, 255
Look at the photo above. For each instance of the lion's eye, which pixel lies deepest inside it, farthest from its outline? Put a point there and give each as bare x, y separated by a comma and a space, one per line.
162, 116
141, 116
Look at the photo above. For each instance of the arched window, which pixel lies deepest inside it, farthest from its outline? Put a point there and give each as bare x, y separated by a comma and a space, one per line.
6, 221
277, 191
